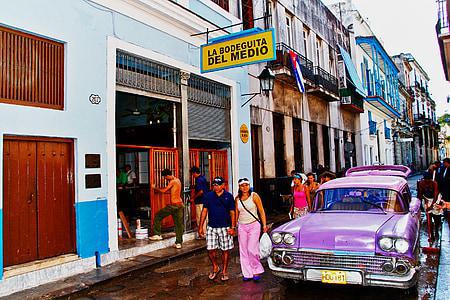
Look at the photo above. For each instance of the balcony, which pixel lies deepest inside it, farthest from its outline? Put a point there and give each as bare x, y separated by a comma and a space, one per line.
372, 127
326, 81
387, 133
351, 100
282, 65
421, 119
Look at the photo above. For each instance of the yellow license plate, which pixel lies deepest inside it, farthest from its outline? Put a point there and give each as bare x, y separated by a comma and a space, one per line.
338, 277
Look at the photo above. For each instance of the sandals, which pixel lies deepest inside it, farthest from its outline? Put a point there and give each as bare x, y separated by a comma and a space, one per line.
224, 277
213, 275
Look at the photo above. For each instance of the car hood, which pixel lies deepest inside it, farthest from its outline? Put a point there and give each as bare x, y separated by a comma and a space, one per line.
341, 231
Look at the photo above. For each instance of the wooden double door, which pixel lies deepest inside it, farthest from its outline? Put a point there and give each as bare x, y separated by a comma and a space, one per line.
38, 199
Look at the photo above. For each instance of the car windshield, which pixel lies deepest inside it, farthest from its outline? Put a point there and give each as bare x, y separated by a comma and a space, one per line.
358, 199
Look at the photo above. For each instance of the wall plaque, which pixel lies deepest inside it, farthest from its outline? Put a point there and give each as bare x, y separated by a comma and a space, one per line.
93, 181
92, 161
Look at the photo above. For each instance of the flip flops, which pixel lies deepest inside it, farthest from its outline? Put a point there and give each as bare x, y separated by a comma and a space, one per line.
224, 277
213, 275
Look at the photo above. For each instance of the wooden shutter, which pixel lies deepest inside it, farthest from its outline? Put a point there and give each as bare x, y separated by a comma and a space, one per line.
31, 70
247, 13
222, 3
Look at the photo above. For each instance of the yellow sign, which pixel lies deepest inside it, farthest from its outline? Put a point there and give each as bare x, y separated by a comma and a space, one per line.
244, 133
238, 50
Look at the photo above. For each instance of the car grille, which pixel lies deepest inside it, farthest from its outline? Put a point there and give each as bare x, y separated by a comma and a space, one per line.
370, 264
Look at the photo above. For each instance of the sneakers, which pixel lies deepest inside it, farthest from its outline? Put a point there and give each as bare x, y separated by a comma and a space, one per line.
155, 238
178, 246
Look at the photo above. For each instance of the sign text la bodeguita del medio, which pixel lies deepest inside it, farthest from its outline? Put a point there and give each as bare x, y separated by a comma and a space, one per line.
240, 49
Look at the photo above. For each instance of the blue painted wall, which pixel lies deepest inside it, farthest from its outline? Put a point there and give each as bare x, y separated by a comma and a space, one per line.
92, 227
206, 12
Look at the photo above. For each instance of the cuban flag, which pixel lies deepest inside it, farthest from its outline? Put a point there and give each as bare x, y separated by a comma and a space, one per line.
297, 71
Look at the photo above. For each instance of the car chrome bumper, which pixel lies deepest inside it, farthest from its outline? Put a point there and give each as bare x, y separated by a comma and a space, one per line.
394, 281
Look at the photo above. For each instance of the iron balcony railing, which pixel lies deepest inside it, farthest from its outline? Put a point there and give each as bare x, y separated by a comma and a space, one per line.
326, 80
372, 127
410, 90
283, 59
419, 118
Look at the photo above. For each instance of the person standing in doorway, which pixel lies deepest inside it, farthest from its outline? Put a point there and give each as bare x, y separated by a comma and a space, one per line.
174, 209
201, 189
131, 175
219, 206
129, 192
248, 207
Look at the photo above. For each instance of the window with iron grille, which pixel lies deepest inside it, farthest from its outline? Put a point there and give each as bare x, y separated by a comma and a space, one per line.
147, 75
31, 70
222, 3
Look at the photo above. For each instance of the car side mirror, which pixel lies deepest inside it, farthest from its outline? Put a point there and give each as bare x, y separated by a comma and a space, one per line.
414, 206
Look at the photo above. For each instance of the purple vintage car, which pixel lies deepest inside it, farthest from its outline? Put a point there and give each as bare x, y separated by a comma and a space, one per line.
363, 229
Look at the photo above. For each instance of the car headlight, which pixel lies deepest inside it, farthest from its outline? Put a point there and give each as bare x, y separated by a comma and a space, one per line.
289, 239
386, 243
401, 245
277, 238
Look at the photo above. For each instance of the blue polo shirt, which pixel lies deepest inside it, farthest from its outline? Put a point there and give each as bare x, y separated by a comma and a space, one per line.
201, 185
219, 208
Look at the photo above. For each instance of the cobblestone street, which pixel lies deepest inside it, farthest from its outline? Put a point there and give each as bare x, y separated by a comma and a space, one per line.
187, 279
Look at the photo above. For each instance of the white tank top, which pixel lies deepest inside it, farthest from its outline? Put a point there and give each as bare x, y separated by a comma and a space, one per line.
244, 216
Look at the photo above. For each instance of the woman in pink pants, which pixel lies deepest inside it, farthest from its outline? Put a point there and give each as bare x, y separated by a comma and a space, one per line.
248, 206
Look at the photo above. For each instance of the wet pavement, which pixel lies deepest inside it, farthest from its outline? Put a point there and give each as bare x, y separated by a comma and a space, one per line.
187, 279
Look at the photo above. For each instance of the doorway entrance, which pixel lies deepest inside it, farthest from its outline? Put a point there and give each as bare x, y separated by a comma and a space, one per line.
147, 139
212, 163
38, 199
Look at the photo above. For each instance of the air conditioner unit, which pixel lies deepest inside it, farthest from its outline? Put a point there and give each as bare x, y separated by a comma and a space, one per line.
346, 100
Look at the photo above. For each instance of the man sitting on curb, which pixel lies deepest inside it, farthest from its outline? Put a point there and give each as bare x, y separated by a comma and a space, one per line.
219, 206
174, 209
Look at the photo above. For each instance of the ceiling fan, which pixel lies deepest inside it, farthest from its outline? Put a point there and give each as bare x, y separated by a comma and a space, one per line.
133, 112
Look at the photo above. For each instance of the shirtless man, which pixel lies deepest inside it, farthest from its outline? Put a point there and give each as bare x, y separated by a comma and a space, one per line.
174, 209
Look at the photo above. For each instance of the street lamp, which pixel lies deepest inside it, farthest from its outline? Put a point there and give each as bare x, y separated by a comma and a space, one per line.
266, 82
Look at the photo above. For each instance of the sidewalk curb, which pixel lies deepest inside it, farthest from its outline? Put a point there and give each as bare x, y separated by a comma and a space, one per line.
151, 263
74, 286
84, 282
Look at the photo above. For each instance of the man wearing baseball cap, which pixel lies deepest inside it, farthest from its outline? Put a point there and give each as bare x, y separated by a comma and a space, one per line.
219, 206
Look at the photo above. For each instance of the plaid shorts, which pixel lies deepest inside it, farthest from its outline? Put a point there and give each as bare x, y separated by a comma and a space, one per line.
218, 238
